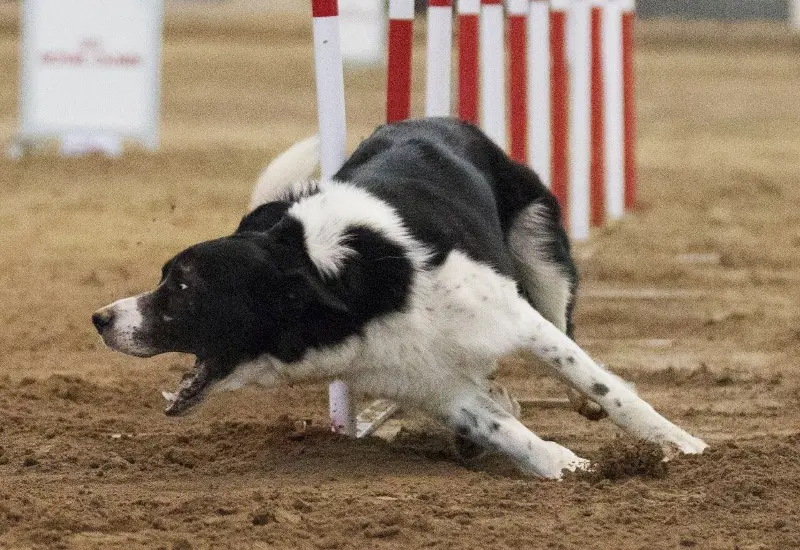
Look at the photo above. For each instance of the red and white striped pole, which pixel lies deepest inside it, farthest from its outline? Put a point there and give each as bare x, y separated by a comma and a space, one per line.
492, 56
440, 48
518, 78
559, 104
468, 11
398, 88
628, 17
597, 169
333, 148
579, 46
614, 112
539, 89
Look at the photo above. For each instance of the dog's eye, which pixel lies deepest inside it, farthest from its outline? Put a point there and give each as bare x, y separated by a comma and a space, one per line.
183, 286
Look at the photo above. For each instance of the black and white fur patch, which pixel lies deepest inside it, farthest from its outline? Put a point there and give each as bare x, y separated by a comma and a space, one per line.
428, 256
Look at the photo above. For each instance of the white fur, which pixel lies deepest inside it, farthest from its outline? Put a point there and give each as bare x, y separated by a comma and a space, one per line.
327, 215
288, 175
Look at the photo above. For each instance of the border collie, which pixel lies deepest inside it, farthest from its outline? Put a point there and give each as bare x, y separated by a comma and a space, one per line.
428, 256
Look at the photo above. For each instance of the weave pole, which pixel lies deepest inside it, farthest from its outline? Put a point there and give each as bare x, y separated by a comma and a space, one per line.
539, 89
492, 70
580, 119
468, 11
439, 58
597, 169
518, 79
629, 105
614, 112
398, 87
333, 147
559, 106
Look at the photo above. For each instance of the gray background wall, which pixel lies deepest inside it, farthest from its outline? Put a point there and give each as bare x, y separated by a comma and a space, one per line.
714, 9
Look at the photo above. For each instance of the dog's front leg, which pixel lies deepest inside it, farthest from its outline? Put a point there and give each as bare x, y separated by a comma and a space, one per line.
473, 415
623, 406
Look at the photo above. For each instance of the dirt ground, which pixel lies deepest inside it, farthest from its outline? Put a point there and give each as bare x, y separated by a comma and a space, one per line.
694, 298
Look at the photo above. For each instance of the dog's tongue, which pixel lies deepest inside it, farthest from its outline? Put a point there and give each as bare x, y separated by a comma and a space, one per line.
190, 392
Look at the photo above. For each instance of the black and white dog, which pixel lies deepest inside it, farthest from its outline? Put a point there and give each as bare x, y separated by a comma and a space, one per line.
427, 257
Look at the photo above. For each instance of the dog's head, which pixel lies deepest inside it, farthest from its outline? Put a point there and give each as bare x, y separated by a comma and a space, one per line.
226, 301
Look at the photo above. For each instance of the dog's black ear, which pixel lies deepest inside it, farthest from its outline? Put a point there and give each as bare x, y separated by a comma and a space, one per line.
319, 293
287, 232
265, 217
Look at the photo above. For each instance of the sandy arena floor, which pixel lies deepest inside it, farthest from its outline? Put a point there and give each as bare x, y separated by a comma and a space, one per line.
694, 298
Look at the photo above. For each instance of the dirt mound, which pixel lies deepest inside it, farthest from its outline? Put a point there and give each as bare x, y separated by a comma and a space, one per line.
626, 458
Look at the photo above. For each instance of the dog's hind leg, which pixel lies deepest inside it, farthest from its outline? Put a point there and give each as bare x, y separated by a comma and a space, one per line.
540, 250
547, 343
477, 315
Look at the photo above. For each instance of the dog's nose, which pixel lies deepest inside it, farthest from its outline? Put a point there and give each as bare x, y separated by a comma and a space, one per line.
102, 318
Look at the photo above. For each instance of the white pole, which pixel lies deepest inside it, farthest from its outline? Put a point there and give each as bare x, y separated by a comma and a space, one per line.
614, 114
539, 89
492, 57
579, 58
333, 147
330, 95
794, 14
440, 48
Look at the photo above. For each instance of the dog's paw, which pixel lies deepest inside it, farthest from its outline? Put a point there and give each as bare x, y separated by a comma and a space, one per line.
562, 459
591, 411
682, 443
585, 406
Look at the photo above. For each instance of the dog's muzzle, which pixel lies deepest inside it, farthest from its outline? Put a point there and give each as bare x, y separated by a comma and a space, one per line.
121, 325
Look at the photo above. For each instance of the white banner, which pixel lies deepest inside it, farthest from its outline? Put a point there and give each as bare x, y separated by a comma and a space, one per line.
91, 66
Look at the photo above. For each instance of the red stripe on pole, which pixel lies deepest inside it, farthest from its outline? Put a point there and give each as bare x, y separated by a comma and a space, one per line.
597, 166
559, 88
468, 67
629, 109
324, 8
398, 88
518, 87
442, 3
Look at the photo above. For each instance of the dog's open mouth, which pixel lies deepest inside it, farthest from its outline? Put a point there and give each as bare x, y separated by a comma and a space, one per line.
192, 390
